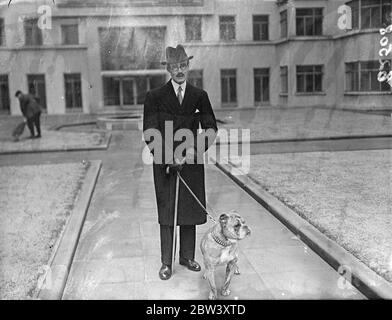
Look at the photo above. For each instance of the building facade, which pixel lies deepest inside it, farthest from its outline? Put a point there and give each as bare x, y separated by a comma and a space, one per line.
102, 56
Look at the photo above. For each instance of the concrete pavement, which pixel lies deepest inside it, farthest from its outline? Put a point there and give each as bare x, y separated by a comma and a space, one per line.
118, 256
118, 253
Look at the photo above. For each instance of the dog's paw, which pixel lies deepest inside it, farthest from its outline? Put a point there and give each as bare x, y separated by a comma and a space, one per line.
212, 296
225, 292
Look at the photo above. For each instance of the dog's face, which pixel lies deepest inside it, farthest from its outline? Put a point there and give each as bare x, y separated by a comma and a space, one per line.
233, 226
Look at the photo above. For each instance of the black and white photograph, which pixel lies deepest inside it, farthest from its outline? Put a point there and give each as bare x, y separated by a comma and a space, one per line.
200, 150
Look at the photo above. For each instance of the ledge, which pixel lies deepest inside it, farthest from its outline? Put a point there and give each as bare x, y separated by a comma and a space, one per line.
228, 43
356, 32
45, 47
368, 93
133, 72
54, 285
310, 94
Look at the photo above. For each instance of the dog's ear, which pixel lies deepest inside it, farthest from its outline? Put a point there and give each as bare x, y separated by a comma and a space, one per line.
223, 218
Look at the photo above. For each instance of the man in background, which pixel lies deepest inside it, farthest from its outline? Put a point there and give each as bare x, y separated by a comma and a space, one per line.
31, 110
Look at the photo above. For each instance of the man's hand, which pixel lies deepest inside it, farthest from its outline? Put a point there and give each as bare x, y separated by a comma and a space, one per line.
175, 167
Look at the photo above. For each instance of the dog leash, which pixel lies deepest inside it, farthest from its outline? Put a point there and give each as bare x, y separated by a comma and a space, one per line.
197, 200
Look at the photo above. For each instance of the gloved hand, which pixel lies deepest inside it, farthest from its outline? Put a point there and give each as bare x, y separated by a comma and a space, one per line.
174, 167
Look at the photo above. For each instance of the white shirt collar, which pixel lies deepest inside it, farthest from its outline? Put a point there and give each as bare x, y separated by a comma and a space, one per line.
176, 85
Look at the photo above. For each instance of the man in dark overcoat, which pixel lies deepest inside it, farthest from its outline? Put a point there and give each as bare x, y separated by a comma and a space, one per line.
174, 106
31, 110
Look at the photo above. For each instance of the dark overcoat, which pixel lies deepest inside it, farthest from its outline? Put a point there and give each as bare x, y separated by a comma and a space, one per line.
29, 106
162, 105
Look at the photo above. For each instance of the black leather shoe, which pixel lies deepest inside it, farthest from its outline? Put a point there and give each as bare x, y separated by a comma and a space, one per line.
165, 272
190, 264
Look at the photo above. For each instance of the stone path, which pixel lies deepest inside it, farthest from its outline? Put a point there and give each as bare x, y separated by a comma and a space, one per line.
118, 256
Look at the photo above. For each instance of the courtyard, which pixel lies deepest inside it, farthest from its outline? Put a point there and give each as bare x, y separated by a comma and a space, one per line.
116, 255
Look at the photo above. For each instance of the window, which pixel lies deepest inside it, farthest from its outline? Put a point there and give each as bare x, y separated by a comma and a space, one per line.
261, 81
227, 27
228, 86
127, 48
195, 77
309, 21
260, 27
309, 79
36, 85
370, 13
284, 79
283, 24
70, 34
362, 76
111, 91
2, 35
4, 93
193, 28
33, 34
73, 90
352, 76
129, 90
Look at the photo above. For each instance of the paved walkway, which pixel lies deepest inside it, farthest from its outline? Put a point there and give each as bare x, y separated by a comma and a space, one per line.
118, 256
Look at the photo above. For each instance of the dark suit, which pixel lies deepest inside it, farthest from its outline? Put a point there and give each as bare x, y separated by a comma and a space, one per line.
162, 105
31, 110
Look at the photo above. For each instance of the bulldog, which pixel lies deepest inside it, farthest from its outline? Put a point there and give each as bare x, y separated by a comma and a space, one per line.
219, 246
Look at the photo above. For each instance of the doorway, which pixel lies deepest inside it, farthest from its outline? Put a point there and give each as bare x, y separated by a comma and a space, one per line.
129, 91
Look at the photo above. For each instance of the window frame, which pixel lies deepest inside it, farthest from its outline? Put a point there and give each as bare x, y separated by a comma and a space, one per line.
309, 20
63, 38
284, 74
360, 71
224, 28
229, 77
36, 38
2, 32
283, 22
190, 33
4, 80
260, 36
42, 102
259, 75
192, 78
306, 74
118, 95
358, 9
74, 95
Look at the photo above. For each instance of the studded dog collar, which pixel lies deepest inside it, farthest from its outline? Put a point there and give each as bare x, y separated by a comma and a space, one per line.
224, 243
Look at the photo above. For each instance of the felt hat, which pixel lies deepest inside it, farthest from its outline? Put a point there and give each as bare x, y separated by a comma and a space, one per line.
176, 55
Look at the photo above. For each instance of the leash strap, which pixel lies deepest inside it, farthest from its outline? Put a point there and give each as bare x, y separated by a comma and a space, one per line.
197, 200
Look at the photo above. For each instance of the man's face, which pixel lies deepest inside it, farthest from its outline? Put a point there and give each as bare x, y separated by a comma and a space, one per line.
178, 71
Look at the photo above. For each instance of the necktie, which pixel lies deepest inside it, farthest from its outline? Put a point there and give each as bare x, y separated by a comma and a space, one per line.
179, 95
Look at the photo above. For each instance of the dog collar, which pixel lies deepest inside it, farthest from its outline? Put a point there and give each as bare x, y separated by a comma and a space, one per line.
224, 243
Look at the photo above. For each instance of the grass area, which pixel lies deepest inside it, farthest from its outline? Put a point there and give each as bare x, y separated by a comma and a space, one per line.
54, 140
346, 195
35, 203
270, 123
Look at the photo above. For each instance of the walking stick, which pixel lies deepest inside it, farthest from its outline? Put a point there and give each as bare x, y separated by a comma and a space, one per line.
175, 222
